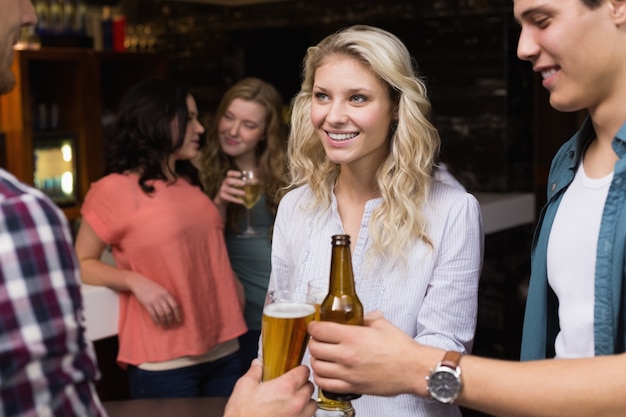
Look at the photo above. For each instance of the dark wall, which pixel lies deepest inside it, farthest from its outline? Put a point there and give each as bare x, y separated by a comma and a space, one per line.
481, 93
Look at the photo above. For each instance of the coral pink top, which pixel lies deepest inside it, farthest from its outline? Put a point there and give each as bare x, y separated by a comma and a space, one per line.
174, 236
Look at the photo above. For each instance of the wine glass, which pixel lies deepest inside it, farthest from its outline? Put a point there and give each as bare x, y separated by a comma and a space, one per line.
253, 189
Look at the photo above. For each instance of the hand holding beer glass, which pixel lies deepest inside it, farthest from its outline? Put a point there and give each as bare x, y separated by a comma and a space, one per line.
284, 336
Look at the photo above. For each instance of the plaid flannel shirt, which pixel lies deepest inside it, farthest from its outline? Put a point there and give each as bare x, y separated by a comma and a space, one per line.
47, 367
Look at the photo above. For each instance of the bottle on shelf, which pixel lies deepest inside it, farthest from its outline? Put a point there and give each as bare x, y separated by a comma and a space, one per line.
42, 9
107, 28
56, 17
79, 23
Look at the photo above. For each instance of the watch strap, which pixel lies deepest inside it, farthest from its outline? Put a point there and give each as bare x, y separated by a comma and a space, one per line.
451, 359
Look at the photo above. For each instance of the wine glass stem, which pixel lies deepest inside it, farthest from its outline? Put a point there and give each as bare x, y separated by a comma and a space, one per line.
248, 219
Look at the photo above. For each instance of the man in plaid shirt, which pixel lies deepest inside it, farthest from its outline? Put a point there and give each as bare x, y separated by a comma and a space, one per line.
47, 367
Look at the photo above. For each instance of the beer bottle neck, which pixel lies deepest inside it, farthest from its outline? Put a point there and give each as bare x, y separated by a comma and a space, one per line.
341, 276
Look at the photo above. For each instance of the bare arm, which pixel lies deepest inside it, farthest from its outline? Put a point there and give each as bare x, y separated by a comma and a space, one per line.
380, 359
560, 387
286, 396
159, 303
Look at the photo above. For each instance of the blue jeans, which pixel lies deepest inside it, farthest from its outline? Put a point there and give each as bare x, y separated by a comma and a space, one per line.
248, 348
209, 379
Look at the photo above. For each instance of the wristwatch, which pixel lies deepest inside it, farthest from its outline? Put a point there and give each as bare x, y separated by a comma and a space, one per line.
444, 382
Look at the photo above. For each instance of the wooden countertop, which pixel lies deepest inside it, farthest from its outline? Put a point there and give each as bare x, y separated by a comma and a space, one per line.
167, 407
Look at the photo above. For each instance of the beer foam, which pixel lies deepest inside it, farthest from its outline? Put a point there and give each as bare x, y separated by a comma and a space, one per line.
288, 310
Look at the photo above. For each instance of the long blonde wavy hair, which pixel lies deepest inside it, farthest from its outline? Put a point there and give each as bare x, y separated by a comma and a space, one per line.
404, 178
271, 152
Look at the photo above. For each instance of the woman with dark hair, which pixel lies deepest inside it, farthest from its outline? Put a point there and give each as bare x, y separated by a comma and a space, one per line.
144, 136
180, 302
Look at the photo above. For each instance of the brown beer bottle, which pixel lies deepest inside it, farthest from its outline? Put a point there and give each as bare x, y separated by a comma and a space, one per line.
341, 305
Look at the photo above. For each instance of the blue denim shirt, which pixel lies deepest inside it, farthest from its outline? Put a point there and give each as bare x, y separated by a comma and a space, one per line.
541, 317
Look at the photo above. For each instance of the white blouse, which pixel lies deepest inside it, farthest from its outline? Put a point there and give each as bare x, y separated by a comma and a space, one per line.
433, 296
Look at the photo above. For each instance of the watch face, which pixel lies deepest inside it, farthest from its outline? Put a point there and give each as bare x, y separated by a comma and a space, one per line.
444, 385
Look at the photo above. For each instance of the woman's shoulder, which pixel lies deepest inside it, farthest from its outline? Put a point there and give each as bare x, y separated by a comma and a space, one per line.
443, 194
300, 193
297, 200
116, 183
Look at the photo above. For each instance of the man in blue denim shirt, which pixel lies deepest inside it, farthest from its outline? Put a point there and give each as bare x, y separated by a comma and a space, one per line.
574, 326
601, 328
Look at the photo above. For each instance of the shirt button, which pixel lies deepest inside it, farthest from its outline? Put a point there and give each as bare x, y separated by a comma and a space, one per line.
553, 187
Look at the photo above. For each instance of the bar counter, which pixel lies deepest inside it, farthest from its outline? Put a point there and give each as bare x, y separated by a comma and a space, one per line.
167, 407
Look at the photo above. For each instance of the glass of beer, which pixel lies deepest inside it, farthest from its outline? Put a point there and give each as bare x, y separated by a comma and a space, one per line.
284, 335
